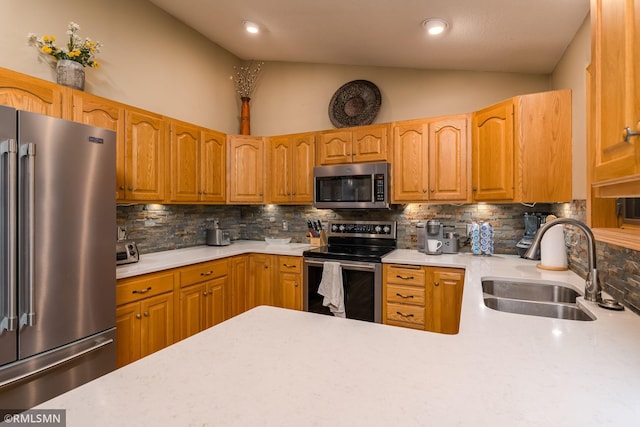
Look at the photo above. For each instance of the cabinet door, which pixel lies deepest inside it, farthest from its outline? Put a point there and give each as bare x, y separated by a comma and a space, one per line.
371, 144
239, 283
246, 169
289, 291
95, 111
215, 301
493, 153
448, 159
213, 166
157, 323
616, 45
184, 156
303, 154
128, 329
144, 157
444, 299
27, 93
261, 278
334, 147
279, 166
410, 177
192, 310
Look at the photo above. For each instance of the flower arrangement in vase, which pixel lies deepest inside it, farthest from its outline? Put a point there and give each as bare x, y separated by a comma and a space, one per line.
245, 81
70, 62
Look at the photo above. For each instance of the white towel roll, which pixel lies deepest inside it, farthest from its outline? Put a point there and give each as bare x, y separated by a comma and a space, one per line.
553, 253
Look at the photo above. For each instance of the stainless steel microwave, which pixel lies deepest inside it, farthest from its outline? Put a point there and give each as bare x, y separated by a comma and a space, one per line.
351, 186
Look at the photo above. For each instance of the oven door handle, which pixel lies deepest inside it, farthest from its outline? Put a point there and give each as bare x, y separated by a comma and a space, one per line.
346, 266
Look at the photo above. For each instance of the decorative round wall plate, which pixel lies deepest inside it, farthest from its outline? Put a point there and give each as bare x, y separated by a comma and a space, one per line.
354, 104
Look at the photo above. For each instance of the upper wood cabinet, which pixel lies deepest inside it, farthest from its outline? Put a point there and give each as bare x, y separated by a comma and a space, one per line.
290, 162
96, 111
245, 169
431, 160
615, 95
144, 156
511, 141
196, 163
31, 94
354, 145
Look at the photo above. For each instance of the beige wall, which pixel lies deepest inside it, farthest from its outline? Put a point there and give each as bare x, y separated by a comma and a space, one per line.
149, 59
152, 61
571, 73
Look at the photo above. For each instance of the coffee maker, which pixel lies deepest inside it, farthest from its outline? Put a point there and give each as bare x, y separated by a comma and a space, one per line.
433, 231
532, 222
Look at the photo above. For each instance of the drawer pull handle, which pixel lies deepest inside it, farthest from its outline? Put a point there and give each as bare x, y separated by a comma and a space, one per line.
141, 291
628, 134
404, 315
405, 277
207, 273
403, 296
289, 265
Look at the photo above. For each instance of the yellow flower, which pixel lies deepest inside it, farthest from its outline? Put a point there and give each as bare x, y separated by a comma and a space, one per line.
95, 64
45, 38
52, 38
46, 49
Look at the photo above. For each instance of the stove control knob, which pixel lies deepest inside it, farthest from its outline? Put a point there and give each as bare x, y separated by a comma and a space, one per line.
342, 227
387, 229
334, 228
378, 228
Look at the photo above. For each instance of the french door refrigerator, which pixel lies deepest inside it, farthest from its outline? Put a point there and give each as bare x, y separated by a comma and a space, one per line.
57, 263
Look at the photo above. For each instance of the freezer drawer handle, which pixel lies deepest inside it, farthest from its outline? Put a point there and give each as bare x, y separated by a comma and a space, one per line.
29, 151
97, 346
9, 318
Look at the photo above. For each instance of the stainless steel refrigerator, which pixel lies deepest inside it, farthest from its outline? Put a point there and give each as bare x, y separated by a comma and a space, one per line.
57, 262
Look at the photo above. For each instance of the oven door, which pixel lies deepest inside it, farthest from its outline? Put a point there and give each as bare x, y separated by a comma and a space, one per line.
362, 282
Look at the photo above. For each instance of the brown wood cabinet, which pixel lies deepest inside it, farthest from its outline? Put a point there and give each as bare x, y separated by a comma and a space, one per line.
354, 145
144, 315
245, 175
144, 156
262, 276
288, 284
238, 284
431, 160
32, 94
202, 297
615, 41
511, 139
290, 162
425, 298
213, 166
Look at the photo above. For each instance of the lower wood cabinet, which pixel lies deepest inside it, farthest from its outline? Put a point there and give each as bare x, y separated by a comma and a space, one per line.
288, 285
275, 280
425, 298
144, 315
238, 285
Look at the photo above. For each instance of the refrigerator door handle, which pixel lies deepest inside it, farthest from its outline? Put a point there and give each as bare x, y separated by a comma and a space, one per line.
8, 317
28, 151
99, 344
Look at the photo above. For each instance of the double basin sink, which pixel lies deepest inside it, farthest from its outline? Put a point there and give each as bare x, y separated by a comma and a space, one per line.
533, 298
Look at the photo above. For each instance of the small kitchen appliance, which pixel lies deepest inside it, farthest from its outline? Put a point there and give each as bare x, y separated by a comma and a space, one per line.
126, 252
434, 231
451, 243
218, 237
532, 222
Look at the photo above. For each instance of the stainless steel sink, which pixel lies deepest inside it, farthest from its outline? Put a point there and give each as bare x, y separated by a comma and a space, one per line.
534, 299
529, 291
534, 308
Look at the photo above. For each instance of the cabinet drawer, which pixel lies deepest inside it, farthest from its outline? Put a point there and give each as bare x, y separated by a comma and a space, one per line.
405, 275
406, 294
140, 287
290, 264
409, 315
203, 271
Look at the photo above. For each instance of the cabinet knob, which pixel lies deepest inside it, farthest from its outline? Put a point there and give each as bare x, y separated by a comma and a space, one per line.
436, 283
146, 314
138, 316
130, 188
121, 187
204, 294
628, 134
432, 190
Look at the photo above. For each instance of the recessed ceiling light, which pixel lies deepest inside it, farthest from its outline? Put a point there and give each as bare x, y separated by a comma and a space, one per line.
251, 27
435, 26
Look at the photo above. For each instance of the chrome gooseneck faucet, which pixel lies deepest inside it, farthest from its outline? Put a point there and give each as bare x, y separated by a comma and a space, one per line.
592, 289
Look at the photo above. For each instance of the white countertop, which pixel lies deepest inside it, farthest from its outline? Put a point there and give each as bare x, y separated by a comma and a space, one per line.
157, 261
277, 367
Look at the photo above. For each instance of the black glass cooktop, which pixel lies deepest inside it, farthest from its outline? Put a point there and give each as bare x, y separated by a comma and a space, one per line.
350, 253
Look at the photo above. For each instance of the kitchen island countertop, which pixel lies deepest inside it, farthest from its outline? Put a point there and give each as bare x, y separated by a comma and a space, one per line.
278, 367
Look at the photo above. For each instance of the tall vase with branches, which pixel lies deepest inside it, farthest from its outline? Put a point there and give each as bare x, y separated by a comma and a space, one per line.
245, 81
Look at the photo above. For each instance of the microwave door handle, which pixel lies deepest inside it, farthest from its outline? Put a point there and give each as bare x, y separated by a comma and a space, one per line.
8, 281
28, 154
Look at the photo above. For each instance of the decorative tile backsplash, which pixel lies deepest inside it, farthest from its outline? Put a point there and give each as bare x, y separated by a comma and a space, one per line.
165, 227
